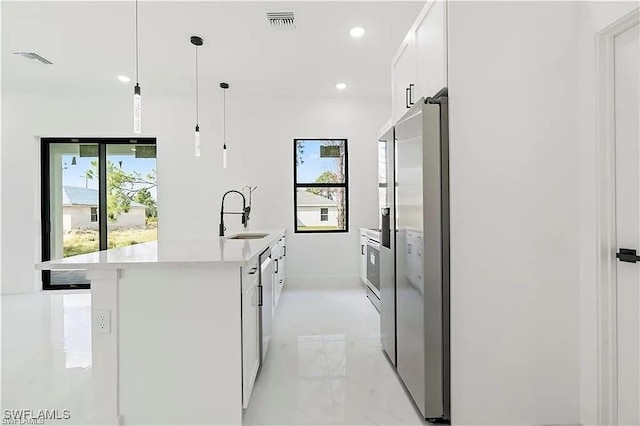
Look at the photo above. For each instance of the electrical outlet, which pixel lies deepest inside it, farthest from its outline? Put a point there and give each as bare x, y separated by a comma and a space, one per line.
102, 321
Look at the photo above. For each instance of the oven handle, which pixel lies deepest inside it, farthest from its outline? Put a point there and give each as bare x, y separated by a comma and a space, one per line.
373, 243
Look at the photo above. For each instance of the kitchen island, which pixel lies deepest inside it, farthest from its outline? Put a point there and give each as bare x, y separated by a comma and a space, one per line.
176, 327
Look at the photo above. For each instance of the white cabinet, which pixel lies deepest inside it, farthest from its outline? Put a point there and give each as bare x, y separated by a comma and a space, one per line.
431, 52
251, 321
250, 334
279, 254
277, 266
363, 255
419, 69
404, 76
283, 253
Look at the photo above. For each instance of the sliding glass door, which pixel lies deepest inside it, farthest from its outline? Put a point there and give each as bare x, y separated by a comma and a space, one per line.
96, 194
132, 213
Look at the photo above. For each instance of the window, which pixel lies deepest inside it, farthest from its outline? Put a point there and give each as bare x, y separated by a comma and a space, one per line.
321, 183
88, 187
324, 214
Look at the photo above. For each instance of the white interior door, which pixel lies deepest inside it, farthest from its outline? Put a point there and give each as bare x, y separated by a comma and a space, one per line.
627, 144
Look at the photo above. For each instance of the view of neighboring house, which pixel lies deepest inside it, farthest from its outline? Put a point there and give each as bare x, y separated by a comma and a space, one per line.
80, 211
316, 211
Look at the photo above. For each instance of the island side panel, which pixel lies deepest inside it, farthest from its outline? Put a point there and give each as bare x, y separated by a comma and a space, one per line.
104, 346
180, 355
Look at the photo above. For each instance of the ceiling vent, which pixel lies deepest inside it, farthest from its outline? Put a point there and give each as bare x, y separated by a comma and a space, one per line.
281, 20
32, 55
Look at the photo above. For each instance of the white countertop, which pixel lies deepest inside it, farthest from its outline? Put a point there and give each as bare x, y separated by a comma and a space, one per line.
189, 253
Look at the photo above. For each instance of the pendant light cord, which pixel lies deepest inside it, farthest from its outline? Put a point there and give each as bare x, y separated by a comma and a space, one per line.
137, 80
224, 116
197, 100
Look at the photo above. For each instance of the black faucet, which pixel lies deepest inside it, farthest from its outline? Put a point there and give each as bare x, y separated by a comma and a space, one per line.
244, 212
247, 209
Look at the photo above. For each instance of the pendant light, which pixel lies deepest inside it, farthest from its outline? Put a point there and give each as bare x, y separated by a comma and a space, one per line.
197, 41
224, 87
137, 98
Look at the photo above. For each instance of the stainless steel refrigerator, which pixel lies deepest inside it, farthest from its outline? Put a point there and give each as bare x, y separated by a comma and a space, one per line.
387, 274
422, 255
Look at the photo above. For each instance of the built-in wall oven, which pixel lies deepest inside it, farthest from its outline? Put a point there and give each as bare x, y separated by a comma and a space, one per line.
373, 270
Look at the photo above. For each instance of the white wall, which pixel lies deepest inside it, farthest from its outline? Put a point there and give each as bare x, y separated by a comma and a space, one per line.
514, 208
79, 217
311, 215
260, 134
595, 16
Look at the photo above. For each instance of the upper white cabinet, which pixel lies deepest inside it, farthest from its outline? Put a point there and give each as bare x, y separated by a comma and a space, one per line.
403, 72
431, 52
419, 69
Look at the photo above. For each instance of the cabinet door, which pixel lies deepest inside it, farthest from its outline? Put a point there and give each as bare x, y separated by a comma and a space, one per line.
404, 77
431, 50
275, 288
363, 257
283, 261
250, 341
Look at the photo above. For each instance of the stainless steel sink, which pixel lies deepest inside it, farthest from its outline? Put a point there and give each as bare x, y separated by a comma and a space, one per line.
247, 236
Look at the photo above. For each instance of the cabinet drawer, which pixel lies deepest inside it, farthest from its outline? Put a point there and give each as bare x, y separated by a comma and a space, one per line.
250, 274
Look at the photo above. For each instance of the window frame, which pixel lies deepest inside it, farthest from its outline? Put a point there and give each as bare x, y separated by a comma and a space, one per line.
297, 185
45, 201
92, 216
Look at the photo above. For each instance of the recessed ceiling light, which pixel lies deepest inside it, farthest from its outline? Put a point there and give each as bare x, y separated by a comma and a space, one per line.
341, 86
357, 32
124, 78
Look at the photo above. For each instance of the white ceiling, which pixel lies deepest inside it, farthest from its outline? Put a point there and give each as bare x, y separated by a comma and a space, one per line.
90, 43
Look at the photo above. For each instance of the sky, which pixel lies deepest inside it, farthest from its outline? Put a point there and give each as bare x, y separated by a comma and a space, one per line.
313, 166
75, 175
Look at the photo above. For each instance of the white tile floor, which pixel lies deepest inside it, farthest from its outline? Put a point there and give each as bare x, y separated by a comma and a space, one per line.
324, 366
46, 353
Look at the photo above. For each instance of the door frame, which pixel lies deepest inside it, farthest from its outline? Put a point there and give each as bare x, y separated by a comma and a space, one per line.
606, 247
45, 196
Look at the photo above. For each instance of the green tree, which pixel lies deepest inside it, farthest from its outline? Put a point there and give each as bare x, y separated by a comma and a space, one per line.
325, 177
123, 187
144, 197
299, 153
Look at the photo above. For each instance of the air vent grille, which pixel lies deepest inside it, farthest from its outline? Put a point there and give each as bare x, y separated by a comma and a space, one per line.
281, 20
32, 55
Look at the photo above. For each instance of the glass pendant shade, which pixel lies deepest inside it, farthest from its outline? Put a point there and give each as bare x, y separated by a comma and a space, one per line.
224, 156
197, 141
137, 109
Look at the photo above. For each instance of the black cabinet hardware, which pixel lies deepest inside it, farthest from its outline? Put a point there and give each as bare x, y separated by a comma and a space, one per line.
362, 249
411, 94
627, 255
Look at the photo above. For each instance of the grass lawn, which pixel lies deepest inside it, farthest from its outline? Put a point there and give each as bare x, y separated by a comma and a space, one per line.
318, 228
81, 241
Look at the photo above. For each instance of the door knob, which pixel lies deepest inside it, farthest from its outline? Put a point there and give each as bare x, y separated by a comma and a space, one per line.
627, 255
